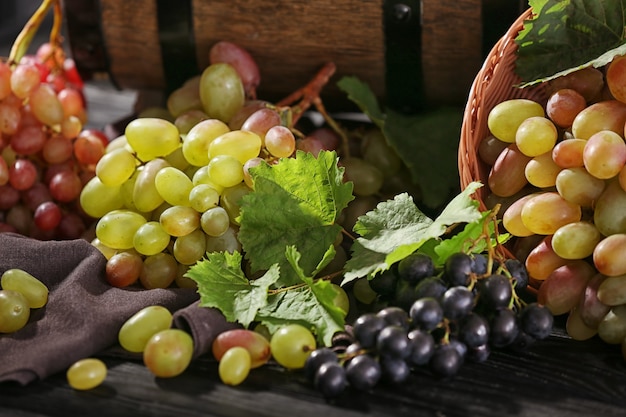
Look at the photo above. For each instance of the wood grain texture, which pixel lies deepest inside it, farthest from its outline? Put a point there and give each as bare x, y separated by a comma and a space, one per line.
557, 377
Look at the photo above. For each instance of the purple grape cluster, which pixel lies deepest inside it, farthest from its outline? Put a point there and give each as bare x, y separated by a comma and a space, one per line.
430, 319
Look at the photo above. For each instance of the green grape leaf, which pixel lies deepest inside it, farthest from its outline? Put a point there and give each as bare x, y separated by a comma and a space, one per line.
311, 305
223, 285
297, 201
563, 36
396, 228
427, 142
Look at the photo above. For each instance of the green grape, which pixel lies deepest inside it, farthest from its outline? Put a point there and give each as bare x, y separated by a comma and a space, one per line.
225, 170
234, 366
35, 291
341, 300
173, 185
241, 144
201, 176
231, 200
545, 213
151, 238
541, 171
227, 242
377, 152
117, 228
576, 240
257, 345
185, 98
168, 353
535, 136
609, 214
604, 115
612, 290
578, 186
291, 345
367, 179
127, 190
145, 194
177, 159
141, 326
97, 199
187, 120
196, 142
14, 311
221, 91
115, 167
190, 248
363, 292
512, 217
505, 118
203, 197
215, 221
159, 271
608, 255
152, 137
86, 374
612, 329
179, 220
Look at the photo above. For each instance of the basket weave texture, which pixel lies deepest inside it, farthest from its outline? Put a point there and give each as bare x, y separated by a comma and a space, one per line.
495, 82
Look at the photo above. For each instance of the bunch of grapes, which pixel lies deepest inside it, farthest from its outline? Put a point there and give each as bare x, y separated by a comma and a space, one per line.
46, 156
559, 171
434, 320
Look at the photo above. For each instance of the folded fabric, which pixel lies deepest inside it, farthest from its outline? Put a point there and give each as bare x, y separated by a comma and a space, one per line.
84, 313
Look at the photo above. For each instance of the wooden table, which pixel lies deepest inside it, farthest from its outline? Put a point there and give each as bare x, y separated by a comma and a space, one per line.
555, 377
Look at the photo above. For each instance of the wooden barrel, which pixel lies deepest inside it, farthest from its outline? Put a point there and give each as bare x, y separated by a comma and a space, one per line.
409, 52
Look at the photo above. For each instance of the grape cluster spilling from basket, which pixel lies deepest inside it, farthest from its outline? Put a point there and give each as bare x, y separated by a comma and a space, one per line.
551, 150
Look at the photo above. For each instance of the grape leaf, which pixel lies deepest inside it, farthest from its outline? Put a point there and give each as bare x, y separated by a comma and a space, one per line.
563, 36
311, 305
426, 142
223, 285
295, 202
396, 228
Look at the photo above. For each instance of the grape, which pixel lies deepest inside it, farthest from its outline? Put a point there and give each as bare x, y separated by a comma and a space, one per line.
363, 372
330, 379
616, 78
361, 288
366, 178
159, 271
317, 358
562, 290
231, 199
415, 267
504, 119
507, 175
115, 167
512, 217
57, 149
503, 328
604, 115
544, 213
578, 186
568, 153
393, 341
221, 91
179, 220
366, 328
457, 302
612, 290
542, 171
14, 311
341, 299
10, 119
612, 329
187, 120
255, 343
150, 238
22, 174
576, 240
384, 283
123, 269
280, 142
458, 268
241, 144
609, 215
261, 121
141, 326
241, 60
152, 137
604, 154
446, 361
227, 242
185, 98
203, 197
97, 199
65, 186
24, 79
196, 142
496, 291
168, 353
576, 328
426, 313
588, 81
474, 331
430, 287
35, 291
394, 370
563, 105
116, 229
377, 152
395, 316
86, 374
89, 147
536, 135
536, 321
489, 148
47, 216
291, 345
234, 366
590, 309
190, 248
173, 185
5, 80
225, 170
45, 105
421, 345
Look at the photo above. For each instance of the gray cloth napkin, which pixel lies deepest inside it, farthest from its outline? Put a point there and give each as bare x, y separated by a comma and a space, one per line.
84, 313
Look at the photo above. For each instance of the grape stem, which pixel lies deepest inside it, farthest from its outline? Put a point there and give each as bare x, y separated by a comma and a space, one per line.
310, 95
25, 37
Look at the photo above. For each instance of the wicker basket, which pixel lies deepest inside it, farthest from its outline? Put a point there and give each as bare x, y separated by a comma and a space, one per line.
494, 83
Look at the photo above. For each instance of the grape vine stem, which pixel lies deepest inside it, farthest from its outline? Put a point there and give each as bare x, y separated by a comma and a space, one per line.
25, 37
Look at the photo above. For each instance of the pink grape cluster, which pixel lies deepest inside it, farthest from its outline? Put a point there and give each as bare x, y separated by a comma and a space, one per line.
46, 154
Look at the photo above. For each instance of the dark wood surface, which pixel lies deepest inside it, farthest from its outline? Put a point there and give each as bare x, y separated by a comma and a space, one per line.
555, 377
